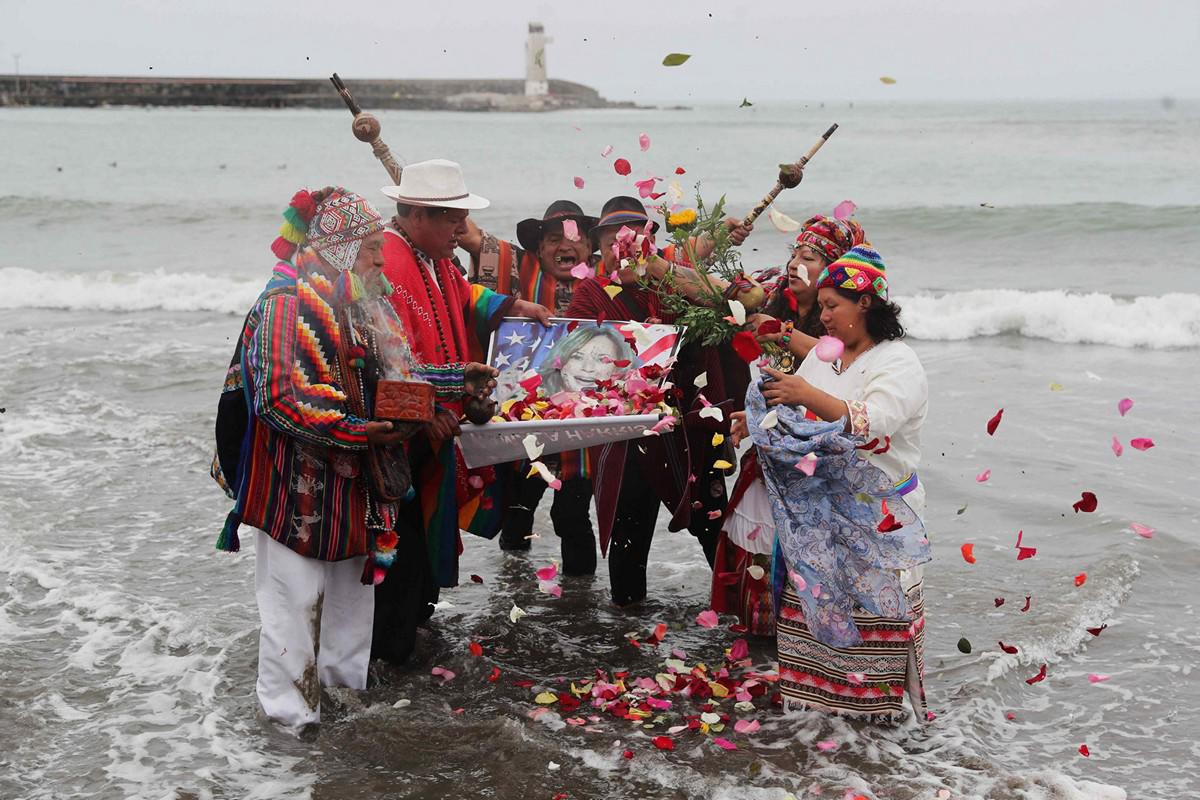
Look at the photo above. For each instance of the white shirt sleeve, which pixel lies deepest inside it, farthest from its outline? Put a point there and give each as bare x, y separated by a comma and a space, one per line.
896, 391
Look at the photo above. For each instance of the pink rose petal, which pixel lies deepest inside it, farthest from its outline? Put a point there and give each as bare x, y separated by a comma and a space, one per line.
607, 151
570, 230
829, 348
1116, 447
658, 703
646, 187
475, 482
798, 581
443, 673
548, 573
739, 650
815, 590
827, 745
807, 464
644, 142
983, 476
1124, 405
579, 272
1094, 677
707, 619
746, 725
724, 744
844, 209
1145, 531
578, 182
552, 589
1141, 444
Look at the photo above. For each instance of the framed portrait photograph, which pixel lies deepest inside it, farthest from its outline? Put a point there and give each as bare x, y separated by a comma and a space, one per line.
566, 362
573, 355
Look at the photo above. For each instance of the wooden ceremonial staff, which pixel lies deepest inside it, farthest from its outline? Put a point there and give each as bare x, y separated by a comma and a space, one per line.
790, 175
366, 129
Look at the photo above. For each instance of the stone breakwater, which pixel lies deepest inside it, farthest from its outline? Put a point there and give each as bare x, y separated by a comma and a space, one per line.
82, 91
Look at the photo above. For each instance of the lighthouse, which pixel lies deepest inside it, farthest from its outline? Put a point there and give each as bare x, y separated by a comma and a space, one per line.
536, 82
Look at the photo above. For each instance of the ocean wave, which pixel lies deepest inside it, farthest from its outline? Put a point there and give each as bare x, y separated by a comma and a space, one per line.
1162, 322
1154, 322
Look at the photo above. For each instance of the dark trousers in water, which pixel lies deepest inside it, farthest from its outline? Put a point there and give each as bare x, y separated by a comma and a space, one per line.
570, 513
636, 516
405, 599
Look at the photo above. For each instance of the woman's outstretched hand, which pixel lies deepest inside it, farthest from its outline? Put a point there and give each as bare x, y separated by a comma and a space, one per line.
738, 429
785, 389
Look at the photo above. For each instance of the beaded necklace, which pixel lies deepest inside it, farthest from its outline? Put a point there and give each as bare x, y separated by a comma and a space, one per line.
428, 284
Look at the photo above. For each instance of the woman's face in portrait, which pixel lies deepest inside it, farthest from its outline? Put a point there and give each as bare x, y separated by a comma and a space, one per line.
589, 364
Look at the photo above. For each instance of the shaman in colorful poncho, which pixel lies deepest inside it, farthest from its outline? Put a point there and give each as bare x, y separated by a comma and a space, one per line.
834, 543
317, 339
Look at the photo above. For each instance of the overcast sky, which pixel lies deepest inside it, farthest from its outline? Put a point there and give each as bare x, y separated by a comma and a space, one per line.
766, 50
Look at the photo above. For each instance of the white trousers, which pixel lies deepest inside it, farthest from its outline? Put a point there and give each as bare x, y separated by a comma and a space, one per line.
316, 630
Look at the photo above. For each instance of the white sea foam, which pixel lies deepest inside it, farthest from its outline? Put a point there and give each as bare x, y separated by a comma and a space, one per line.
1155, 322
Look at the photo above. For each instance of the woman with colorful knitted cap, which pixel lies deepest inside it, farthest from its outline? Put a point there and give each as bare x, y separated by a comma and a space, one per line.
325, 485
839, 445
741, 581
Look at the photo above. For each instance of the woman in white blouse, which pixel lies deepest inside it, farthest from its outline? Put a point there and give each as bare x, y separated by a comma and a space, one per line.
877, 387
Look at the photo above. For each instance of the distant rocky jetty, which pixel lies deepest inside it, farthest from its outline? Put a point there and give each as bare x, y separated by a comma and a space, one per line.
82, 91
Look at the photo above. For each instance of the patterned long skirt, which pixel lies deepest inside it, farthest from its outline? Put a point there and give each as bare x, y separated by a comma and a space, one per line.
736, 590
868, 680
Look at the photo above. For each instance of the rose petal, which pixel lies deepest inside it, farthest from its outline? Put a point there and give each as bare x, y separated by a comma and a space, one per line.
755, 572
844, 210
1086, 503
570, 230
769, 420
1083, 751
1094, 677
476, 579
827, 745
533, 448
476, 649
550, 588
1081, 579
644, 142
700, 380
1008, 648
443, 673
746, 725
807, 464
983, 476
738, 311
994, 423
622, 167
1117, 448
707, 619
829, 348
1145, 531
578, 182
608, 148
712, 412
1124, 405
782, 222
1041, 676
581, 271
968, 552
724, 744
746, 346
516, 613
1141, 444
664, 742
548, 573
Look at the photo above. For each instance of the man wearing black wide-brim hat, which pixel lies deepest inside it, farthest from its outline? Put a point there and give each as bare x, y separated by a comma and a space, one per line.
539, 269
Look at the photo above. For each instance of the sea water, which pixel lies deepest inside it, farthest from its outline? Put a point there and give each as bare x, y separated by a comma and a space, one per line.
1045, 258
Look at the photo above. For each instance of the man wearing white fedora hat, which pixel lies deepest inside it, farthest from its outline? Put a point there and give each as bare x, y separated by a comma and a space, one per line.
451, 320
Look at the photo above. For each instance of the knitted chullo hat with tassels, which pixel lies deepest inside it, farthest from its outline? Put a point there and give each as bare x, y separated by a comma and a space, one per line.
335, 226
860, 270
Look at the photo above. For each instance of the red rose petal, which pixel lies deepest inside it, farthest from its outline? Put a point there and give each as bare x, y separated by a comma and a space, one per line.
680, 170
495, 676
622, 167
1027, 600
1096, 631
1086, 503
1081, 579
769, 326
888, 524
1083, 751
1041, 676
476, 579
476, 649
1141, 444
664, 742
968, 553
999, 601
628, 754
1008, 648
746, 346
994, 422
